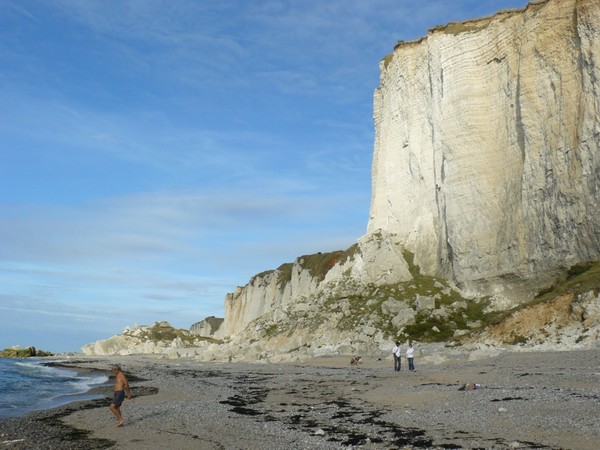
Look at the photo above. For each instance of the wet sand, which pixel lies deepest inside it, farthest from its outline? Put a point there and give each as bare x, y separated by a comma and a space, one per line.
527, 400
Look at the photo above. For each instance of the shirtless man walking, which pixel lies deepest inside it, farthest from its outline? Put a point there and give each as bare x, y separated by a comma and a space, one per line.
121, 387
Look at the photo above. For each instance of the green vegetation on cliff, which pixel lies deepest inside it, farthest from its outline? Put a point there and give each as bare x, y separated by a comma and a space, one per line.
164, 332
423, 309
317, 265
353, 306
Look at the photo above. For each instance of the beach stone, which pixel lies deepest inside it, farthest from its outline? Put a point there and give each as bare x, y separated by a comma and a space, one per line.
484, 353
441, 313
392, 307
345, 349
459, 305
586, 308
369, 330
407, 316
424, 303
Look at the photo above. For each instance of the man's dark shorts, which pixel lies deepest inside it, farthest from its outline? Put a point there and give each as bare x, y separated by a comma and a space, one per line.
118, 397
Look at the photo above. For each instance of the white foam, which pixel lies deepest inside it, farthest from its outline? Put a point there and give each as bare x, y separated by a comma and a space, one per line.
39, 368
85, 383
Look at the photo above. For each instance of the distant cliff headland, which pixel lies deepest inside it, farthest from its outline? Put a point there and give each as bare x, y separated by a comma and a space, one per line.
484, 228
18, 352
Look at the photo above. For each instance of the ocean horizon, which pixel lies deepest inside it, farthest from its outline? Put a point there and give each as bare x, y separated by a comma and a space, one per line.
30, 384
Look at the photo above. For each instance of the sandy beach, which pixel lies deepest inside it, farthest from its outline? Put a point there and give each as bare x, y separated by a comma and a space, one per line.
526, 400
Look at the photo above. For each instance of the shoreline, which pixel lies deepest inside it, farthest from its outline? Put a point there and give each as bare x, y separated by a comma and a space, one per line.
528, 400
54, 384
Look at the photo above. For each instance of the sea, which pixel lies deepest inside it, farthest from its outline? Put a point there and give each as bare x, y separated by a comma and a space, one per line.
30, 384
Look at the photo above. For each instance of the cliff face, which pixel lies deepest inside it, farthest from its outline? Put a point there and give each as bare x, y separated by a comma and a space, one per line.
486, 190
487, 144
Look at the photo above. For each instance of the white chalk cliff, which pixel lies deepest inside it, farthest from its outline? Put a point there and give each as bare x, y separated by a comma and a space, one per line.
376, 259
486, 191
487, 154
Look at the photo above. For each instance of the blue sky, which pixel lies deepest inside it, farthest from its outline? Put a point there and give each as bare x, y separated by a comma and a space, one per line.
154, 154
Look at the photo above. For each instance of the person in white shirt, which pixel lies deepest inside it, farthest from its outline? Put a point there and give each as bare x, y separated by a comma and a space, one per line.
410, 357
397, 356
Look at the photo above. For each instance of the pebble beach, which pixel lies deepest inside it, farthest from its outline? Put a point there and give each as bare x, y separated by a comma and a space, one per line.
541, 400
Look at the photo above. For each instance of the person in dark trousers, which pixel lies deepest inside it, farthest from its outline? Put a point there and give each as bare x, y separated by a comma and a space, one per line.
120, 390
397, 357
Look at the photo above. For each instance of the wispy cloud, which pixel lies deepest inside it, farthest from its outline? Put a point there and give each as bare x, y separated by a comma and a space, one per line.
184, 248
